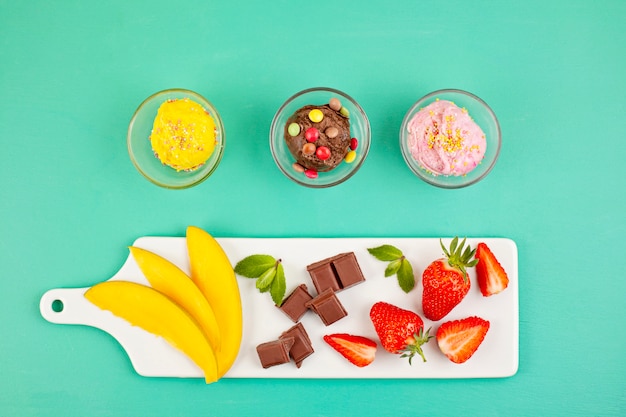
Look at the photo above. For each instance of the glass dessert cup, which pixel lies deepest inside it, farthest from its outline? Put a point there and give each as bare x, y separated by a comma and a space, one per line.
359, 129
481, 113
140, 147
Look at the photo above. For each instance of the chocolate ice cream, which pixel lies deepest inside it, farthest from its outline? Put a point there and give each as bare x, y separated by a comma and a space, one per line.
318, 137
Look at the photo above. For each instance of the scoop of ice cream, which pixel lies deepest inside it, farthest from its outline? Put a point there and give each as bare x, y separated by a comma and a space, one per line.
445, 140
183, 134
331, 132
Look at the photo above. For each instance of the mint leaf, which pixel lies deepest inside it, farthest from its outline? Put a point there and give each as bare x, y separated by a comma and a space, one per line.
393, 267
406, 279
279, 285
254, 265
385, 253
398, 265
265, 280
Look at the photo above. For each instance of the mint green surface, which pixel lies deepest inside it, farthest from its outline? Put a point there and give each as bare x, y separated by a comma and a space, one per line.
73, 72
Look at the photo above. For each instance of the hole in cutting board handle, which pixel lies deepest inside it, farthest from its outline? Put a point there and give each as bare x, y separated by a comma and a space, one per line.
57, 306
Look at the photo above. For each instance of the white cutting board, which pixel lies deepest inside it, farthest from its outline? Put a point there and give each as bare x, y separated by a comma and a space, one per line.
263, 322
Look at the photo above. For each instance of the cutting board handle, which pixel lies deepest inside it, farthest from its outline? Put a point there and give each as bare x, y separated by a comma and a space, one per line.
150, 355
67, 306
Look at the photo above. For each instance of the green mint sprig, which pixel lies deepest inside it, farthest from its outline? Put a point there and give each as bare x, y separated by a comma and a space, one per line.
268, 272
398, 265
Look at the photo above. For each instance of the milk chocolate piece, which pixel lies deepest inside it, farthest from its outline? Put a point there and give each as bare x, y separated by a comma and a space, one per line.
302, 347
328, 307
294, 306
348, 270
323, 276
337, 272
275, 352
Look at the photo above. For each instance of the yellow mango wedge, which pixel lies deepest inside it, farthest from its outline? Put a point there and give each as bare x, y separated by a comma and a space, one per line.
170, 280
213, 273
147, 308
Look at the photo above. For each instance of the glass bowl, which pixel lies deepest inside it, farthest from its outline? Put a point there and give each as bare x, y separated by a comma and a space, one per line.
359, 129
140, 147
481, 113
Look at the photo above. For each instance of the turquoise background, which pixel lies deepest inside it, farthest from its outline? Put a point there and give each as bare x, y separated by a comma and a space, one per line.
73, 72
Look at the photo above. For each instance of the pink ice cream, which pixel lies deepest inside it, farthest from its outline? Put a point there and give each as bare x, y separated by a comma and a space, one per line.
445, 140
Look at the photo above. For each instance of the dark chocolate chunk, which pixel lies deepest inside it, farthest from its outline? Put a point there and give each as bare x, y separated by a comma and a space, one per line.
294, 305
337, 272
328, 307
302, 347
275, 352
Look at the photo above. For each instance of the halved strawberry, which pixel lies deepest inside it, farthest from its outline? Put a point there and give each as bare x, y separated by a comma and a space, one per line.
492, 278
357, 349
459, 339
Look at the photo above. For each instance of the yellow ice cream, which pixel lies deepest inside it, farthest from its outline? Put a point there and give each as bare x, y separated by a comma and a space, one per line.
183, 134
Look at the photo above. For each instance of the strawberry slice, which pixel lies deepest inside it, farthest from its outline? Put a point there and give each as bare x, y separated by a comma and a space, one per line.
357, 349
492, 278
459, 339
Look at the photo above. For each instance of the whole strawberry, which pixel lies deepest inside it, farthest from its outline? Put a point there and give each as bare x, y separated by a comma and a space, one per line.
400, 331
445, 280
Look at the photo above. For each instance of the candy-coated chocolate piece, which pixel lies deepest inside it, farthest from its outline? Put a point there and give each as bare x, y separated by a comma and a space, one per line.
308, 149
354, 143
316, 115
310, 173
294, 129
335, 104
311, 134
344, 112
331, 132
297, 167
323, 153
350, 157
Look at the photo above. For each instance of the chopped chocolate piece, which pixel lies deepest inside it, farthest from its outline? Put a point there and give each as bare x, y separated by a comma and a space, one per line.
348, 270
337, 272
302, 347
294, 305
275, 352
323, 277
328, 307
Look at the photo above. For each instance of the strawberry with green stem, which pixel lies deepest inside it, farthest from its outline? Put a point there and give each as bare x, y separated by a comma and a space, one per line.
445, 280
400, 331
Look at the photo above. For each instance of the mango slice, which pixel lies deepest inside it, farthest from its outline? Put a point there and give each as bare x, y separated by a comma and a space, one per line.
212, 272
171, 281
147, 308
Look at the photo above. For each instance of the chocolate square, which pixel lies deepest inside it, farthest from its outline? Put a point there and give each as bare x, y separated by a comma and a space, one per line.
337, 272
328, 307
348, 270
323, 277
302, 347
294, 306
275, 352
